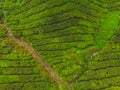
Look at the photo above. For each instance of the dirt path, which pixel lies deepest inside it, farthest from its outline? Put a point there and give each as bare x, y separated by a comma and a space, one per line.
94, 54
38, 60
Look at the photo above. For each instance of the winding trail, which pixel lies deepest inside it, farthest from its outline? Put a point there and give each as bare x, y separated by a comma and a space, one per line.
53, 75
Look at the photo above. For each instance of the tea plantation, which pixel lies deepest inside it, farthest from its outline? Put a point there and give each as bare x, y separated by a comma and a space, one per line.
59, 45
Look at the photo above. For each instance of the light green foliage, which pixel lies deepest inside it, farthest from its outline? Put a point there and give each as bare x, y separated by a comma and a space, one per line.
79, 39
109, 26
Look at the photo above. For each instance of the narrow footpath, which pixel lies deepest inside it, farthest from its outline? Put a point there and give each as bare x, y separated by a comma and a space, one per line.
53, 75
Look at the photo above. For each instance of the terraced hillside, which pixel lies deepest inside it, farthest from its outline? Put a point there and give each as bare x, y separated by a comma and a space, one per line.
18, 70
60, 45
